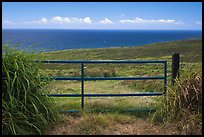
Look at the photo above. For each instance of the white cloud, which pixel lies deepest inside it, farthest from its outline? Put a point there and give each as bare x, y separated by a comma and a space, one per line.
58, 19
67, 20
62, 20
76, 20
138, 20
126, 21
87, 20
105, 21
41, 21
8, 22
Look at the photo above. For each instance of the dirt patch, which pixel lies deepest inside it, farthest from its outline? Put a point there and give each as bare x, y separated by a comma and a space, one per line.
139, 127
82, 126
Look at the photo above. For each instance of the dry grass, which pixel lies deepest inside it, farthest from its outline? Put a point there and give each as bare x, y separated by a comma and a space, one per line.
109, 124
183, 104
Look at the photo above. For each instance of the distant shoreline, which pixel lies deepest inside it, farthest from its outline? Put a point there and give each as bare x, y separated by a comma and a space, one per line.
42, 40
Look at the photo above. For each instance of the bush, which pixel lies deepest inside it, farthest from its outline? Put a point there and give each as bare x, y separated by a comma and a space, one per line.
24, 109
183, 103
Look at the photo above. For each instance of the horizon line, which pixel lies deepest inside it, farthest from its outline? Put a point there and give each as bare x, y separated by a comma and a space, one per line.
95, 29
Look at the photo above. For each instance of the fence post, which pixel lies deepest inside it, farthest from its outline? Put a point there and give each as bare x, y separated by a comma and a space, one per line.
82, 86
175, 66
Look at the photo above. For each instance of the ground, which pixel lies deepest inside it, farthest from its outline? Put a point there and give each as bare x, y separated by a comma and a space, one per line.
73, 125
105, 115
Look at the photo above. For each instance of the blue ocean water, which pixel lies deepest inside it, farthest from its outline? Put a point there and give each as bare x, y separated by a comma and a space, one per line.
59, 39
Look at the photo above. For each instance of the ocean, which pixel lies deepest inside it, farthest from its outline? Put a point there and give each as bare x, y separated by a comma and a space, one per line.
64, 39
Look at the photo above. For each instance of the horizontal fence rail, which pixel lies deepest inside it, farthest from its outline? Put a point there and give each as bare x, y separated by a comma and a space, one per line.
82, 78
101, 61
107, 95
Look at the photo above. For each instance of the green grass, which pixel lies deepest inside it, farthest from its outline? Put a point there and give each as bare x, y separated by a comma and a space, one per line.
24, 110
105, 113
119, 107
190, 54
190, 51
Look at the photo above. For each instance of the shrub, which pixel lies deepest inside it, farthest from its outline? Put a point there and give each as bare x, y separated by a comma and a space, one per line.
183, 103
24, 109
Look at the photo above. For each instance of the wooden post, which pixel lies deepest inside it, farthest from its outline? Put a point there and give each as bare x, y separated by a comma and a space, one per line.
175, 66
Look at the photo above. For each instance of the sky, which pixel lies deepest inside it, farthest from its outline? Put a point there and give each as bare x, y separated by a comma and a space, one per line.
103, 15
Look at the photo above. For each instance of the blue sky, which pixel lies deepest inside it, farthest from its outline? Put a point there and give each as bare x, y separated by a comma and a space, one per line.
103, 15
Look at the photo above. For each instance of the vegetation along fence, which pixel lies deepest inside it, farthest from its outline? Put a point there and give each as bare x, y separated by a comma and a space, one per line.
82, 78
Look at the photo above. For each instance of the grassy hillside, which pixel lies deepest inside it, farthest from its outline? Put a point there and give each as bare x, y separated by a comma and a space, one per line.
103, 109
190, 56
190, 50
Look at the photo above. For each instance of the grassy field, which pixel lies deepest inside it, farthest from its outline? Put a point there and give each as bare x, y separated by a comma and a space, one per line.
117, 115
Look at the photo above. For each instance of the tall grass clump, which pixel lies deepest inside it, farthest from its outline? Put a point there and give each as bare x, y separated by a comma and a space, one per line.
24, 110
183, 103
